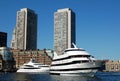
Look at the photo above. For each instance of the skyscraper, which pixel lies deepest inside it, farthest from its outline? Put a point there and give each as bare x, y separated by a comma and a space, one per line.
3, 39
25, 33
64, 30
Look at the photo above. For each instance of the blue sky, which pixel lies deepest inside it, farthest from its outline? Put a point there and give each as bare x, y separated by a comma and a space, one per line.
97, 23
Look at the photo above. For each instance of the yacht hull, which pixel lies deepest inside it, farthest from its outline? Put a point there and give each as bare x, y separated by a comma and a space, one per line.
33, 70
34, 67
74, 61
80, 69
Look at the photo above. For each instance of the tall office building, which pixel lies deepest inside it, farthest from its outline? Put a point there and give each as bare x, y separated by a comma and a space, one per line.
3, 39
64, 30
25, 33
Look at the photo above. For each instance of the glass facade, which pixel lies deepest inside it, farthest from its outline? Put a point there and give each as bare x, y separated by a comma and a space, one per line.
3, 39
6, 54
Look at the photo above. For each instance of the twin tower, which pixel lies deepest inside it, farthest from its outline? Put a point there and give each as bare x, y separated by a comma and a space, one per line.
25, 33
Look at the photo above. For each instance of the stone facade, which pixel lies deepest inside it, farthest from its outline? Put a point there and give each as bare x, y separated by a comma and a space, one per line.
112, 66
64, 30
25, 33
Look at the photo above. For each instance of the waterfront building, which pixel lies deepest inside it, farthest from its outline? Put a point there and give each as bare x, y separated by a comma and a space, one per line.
14, 39
0, 62
64, 30
25, 33
3, 39
24, 56
7, 61
5, 53
113, 66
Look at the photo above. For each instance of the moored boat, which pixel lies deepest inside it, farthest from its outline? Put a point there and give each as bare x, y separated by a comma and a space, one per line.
74, 61
34, 67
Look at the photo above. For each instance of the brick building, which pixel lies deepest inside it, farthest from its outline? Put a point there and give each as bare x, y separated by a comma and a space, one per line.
24, 56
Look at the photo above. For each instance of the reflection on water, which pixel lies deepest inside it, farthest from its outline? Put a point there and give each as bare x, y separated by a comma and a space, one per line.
47, 77
14, 77
73, 78
22, 77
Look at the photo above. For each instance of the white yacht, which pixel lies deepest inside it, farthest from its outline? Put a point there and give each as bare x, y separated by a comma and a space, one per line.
33, 66
74, 61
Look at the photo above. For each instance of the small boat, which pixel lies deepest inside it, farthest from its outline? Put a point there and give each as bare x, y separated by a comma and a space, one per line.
74, 61
34, 67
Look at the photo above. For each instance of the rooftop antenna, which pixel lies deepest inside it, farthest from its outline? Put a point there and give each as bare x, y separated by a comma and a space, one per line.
74, 45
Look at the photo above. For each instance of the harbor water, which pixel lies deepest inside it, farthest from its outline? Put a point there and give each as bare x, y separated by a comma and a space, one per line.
102, 76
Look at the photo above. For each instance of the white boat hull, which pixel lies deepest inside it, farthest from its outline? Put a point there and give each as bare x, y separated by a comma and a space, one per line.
33, 70
75, 73
74, 61
34, 67
76, 69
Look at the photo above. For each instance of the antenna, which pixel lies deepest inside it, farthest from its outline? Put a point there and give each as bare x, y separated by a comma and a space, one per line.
74, 45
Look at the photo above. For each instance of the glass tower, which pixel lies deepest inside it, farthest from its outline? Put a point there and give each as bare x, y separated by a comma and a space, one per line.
3, 39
